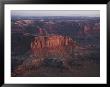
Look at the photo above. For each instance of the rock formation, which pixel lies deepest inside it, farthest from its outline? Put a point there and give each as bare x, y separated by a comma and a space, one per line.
55, 47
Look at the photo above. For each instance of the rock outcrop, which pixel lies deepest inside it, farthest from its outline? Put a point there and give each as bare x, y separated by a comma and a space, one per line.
56, 48
52, 42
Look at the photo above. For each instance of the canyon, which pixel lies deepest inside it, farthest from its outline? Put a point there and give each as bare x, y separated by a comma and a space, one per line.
55, 47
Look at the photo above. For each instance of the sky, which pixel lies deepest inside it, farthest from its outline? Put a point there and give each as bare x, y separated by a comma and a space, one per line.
91, 13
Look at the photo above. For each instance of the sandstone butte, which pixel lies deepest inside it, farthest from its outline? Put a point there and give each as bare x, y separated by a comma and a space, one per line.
55, 46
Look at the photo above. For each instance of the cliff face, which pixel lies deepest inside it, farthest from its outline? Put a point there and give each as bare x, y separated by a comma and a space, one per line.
51, 41
53, 46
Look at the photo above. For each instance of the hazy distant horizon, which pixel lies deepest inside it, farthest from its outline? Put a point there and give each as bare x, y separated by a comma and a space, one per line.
88, 13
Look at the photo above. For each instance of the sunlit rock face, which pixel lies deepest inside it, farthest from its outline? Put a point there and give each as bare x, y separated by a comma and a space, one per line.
51, 41
53, 46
